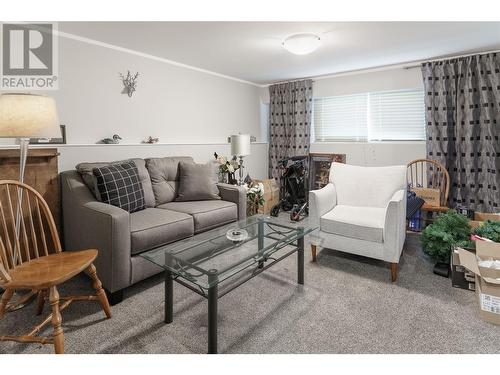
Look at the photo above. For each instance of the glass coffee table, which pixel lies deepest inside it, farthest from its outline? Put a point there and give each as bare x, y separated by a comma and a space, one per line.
217, 262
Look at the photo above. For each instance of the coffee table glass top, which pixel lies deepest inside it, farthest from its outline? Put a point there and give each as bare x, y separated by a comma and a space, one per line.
214, 256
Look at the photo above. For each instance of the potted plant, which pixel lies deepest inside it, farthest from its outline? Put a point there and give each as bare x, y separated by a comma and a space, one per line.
255, 199
450, 229
490, 230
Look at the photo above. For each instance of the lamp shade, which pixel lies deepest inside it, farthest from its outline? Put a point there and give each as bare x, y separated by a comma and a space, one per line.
240, 144
28, 116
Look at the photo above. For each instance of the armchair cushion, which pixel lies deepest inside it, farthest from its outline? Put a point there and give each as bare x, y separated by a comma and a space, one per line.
363, 223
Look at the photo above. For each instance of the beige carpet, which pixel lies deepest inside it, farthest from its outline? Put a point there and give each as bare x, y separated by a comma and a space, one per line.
348, 305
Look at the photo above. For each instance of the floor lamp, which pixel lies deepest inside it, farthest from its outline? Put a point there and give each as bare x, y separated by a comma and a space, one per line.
25, 116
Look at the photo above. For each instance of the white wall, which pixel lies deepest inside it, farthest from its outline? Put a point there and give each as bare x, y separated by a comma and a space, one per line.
363, 153
194, 110
378, 153
71, 155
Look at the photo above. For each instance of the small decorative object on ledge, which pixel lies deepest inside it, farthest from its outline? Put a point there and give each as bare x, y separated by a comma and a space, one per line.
53, 141
129, 83
111, 141
151, 140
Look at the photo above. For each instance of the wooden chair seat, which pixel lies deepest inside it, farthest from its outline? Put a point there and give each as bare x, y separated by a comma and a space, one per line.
54, 269
31, 259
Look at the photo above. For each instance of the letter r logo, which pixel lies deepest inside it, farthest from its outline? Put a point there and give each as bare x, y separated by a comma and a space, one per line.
27, 49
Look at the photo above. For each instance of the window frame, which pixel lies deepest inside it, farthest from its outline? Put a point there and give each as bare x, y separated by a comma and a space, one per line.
367, 138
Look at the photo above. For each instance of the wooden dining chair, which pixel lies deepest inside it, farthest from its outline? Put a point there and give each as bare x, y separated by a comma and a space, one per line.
426, 173
31, 258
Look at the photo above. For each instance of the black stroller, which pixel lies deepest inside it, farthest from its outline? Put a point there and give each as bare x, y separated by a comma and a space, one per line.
293, 191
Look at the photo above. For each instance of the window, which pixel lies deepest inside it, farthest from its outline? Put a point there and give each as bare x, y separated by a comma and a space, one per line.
375, 116
341, 118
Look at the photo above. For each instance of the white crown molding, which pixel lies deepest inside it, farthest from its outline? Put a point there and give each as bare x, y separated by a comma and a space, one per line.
151, 57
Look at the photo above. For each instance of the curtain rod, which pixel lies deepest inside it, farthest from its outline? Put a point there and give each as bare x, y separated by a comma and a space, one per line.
417, 64
289, 81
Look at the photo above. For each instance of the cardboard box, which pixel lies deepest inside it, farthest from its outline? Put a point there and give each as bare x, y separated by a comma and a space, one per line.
271, 195
487, 279
483, 216
461, 277
430, 196
480, 217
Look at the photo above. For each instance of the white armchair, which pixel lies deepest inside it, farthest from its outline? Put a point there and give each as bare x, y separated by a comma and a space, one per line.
362, 211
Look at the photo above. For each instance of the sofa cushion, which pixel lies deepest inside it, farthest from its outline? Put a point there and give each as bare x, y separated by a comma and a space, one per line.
363, 223
206, 214
119, 185
197, 182
154, 227
85, 170
164, 173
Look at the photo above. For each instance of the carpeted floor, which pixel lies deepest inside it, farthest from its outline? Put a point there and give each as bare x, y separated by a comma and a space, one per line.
348, 305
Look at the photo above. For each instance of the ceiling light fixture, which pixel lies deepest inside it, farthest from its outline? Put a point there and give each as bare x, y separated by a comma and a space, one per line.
301, 44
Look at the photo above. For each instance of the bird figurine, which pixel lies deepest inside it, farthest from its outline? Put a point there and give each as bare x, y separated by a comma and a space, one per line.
111, 141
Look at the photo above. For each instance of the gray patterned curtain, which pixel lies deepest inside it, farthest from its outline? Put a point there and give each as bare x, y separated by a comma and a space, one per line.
463, 126
290, 114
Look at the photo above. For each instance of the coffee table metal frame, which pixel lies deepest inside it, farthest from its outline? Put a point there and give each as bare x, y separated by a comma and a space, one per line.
262, 262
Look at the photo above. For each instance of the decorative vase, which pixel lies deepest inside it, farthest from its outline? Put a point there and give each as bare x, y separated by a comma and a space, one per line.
231, 179
223, 177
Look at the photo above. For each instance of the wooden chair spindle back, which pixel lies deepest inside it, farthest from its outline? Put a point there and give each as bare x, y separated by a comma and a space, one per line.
25, 218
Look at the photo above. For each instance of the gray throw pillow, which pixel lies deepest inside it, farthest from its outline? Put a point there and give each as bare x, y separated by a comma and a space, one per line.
86, 172
197, 182
120, 186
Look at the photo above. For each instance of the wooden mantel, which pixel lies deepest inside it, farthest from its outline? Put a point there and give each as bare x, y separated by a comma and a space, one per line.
41, 173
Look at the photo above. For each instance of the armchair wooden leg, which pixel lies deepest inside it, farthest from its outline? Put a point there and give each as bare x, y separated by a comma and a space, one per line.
394, 271
313, 252
6, 296
56, 320
97, 285
40, 301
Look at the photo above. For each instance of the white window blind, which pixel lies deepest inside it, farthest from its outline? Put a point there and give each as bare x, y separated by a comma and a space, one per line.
341, 118
375, 116
396, 115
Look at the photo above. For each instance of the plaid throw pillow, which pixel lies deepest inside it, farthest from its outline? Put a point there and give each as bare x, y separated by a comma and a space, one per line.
120, 186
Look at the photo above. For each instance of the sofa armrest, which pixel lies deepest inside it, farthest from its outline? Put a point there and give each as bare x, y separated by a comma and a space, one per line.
235, 194
395, 226
92, 224
320, 202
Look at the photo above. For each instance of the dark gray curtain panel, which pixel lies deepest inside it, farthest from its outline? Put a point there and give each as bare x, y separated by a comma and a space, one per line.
463, 127
290, 115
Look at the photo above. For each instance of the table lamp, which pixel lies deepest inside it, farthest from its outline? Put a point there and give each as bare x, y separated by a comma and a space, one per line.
26, 116
240, 146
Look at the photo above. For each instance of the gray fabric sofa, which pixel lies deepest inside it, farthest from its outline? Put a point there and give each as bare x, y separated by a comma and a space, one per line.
121, 236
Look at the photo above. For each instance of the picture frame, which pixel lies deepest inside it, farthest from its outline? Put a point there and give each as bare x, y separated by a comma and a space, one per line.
319, 168
53, 141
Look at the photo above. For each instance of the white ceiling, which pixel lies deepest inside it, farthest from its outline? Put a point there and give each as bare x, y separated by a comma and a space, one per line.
252, 51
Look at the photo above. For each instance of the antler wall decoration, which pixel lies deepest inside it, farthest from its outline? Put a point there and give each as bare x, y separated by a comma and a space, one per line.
130, 83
